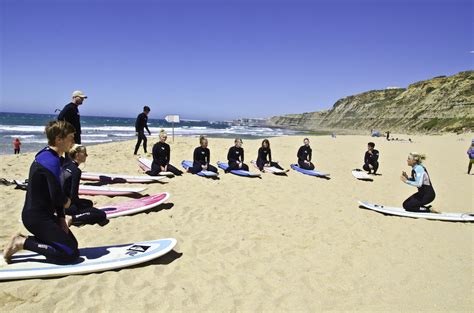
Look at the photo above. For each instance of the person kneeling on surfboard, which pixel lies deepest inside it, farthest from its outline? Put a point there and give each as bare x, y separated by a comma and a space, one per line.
371, 159
43, 212
304, 156
81, 211
265, 156
420, 179
202, 158
161, 157
235, 157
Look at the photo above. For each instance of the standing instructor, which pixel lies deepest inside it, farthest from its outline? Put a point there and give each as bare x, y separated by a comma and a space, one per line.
140, 125
70, 113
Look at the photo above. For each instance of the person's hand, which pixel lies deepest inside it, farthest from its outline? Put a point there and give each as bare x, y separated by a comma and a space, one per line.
149, 133
63, 225
267, 164
136, 133
404, 174
369, 151
163, 169
204, 167
240, 165
68, 203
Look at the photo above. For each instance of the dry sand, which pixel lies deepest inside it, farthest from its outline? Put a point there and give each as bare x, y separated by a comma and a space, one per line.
295, 243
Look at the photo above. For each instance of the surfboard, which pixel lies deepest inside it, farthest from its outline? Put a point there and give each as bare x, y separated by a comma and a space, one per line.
224, 166
145, 165
308, 172
107, 191
187, 164
270, 169
361, 175
453, 217
134, 206
119, 178
26, 264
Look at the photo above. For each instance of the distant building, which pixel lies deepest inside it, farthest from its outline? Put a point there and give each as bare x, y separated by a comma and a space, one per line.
392, 87
252, 122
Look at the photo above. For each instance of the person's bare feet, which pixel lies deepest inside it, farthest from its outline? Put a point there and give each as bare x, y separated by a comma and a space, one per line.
15, 245
68, 220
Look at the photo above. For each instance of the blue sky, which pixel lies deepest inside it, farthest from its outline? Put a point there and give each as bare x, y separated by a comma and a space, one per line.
222, 59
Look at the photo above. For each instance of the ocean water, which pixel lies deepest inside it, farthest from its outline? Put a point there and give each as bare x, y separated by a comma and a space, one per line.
29, 128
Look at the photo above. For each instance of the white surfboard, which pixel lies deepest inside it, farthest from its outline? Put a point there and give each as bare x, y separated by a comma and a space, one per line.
145, 165
108, 191
361, 175
26, 264
270, 169
108, 177
453, 217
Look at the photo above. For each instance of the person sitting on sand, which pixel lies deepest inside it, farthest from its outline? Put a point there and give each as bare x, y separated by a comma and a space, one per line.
202, 158
305, 153
470, 153
81, 211
264, 158
235, 157
161, 157
43, 212
419, 178
371, 159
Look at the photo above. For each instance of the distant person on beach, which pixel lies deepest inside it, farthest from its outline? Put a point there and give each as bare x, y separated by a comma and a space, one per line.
202, 158
388, 135
419, 178
161, 157
371, 159
140, 125
305, 154
264, 158
70, 113
43, 211
235, 157
81, 211
470, 153
16, 146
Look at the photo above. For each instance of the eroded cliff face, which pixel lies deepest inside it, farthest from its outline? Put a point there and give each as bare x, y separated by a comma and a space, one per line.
438, 104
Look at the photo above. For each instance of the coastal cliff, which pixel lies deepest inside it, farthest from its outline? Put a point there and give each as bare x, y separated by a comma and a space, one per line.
441, 104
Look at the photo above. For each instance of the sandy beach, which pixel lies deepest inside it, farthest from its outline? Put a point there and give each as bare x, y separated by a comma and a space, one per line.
295, 243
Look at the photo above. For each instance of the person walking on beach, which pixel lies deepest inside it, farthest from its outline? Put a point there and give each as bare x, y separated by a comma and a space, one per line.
470, 153
235, 157
70, 113
16, 146
202, 158
140, 125
81, 211
371, 159
43, 211
264, 158
161, 157
305, 154
419, 201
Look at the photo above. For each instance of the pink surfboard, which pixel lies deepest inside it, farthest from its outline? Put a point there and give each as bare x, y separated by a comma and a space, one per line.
134, 206
107, 191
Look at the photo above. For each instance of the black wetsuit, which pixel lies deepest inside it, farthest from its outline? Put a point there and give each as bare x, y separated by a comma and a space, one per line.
305, 153
202, 156
70, 113
265, 157
161, 157
81, 210
44, 205
371, 159
140, 125
233, 156
418, 202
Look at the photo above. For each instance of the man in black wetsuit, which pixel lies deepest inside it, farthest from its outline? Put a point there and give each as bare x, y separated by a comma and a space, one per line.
140, 125
43, 211
371, 159
70, 113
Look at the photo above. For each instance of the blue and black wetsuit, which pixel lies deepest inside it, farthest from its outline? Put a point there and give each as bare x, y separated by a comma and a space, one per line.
425, 195
81, 210
371, 159
305, 153
202, 156
44, 206
265, 157
161, 157
236, 155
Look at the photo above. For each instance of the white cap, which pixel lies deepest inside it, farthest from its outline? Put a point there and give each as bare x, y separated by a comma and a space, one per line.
79, 93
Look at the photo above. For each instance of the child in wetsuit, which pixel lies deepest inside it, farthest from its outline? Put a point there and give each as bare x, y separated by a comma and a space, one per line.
202, 158
470, 153
43, 212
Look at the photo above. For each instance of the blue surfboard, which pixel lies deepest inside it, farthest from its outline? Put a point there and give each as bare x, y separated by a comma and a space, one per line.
224, 166
188, 164
308, 172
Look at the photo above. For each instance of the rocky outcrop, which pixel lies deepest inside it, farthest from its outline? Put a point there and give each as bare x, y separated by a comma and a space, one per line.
439, 104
